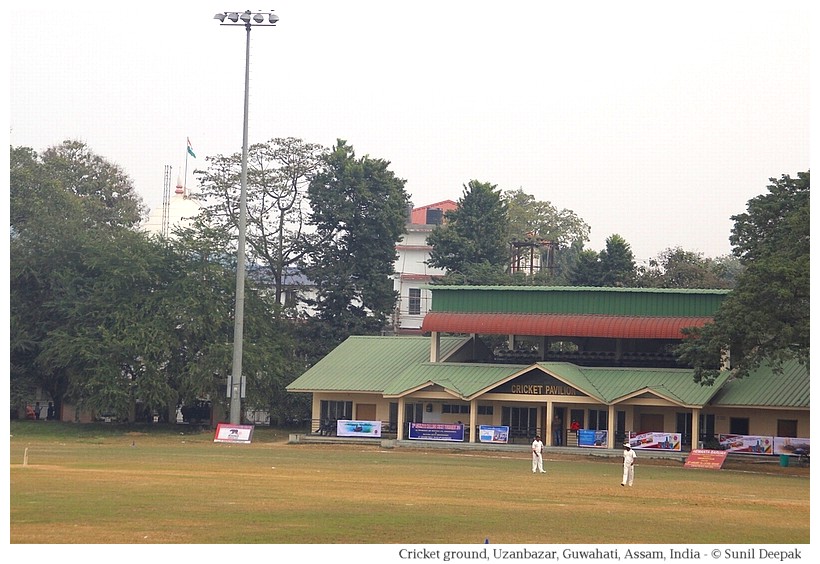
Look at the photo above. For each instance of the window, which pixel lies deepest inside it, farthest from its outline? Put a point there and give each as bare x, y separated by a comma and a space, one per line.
787, 428
414, 302
393, 417
455, 408
413, 413
485, 410
597, 420
683, 425
333, 410
739, 425
521, 420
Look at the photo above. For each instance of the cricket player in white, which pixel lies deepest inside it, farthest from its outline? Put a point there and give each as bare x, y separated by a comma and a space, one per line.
629, 465
537, 458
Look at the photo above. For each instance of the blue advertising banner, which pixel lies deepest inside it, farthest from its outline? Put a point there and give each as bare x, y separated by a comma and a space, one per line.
592, 438
437, 431
490, 434
347, 428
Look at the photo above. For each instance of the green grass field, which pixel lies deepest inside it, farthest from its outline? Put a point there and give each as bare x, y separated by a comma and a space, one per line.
106, 484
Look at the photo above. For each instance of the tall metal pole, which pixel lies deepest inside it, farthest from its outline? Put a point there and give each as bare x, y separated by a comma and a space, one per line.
239, 316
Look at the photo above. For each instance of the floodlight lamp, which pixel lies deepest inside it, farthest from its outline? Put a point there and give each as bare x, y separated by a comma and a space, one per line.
220, 17
273, 18
258, 18
233, 16
245, 17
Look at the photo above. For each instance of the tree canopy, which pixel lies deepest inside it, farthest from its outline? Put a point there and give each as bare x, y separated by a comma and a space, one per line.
358, 212
471, 243
765, 319
279, 172
614, 266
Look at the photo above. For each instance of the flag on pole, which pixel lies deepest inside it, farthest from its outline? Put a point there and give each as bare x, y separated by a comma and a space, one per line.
190, 149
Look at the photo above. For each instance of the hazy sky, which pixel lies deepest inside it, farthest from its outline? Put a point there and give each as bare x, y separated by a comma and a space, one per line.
654, 120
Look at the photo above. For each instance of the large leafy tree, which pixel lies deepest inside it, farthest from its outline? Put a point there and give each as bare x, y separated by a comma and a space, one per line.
677, 268
765, 320
359, 208
279, 172
471, 244
614, 266
106, 317
44, 218
60, 203
106, 192
199, 299
537, 222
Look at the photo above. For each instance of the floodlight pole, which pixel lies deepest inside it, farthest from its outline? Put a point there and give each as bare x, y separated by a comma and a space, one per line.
239, 316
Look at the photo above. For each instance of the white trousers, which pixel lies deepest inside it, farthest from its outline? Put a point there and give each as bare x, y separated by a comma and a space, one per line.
537, 462
629, 474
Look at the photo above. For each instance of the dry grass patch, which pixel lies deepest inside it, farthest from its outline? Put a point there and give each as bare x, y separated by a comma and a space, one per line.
185, 489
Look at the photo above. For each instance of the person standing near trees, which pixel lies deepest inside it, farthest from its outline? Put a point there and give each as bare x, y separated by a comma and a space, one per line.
629, 465
537, 457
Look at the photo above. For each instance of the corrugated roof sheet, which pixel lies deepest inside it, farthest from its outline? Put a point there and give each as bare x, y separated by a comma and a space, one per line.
674, 384
463, 378
394, 366
368, 363
766, 387
556, 325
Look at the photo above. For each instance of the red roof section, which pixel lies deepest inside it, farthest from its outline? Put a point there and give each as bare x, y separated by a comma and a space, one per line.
561, 325
419, 215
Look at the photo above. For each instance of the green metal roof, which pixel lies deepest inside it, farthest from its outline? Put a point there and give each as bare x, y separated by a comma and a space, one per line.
399, 365
618, 383
368, 363
650, 302
463, 378
765, 387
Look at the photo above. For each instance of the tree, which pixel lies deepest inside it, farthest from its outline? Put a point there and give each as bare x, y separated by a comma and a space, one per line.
677, 268
614, 266
279, 172
199, 299
471, 244
60, 202
765, 320
587, 269
617, 263
534, 221
106, 192
109, 317
358, 210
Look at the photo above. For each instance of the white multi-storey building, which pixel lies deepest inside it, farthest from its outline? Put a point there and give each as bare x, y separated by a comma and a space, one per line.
412, 274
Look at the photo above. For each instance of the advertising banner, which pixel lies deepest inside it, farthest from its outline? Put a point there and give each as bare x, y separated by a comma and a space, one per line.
490, 434
346, 428
747, 444
437, 431
656, 441
227, 433
705, 458
592, 438
787, 445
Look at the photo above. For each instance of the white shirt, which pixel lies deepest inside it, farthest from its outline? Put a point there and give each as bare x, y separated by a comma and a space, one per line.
629, 457
537, 446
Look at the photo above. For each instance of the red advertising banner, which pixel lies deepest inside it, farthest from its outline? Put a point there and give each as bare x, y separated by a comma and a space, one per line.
705, 458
